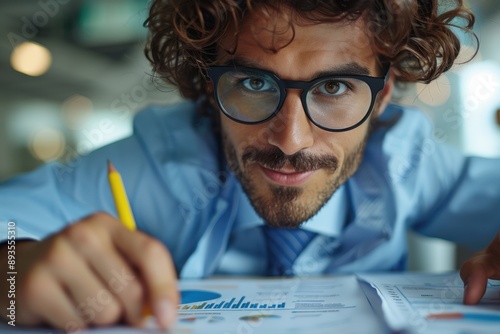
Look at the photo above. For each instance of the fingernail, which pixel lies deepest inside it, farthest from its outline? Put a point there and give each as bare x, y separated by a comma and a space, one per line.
165, 313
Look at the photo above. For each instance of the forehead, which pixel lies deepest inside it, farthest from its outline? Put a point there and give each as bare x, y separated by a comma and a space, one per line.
295, 48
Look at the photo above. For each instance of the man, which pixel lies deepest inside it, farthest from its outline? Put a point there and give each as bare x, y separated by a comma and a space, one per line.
290, 161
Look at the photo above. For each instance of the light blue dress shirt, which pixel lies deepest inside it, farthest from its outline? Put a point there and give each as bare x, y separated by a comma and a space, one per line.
183, 194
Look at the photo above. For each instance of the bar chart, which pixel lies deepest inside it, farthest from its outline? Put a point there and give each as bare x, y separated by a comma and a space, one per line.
275, 305
233, 304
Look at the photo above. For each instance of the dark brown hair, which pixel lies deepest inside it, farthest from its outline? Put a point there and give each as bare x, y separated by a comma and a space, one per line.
414, 36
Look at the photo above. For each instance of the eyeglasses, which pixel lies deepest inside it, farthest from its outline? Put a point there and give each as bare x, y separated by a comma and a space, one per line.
333, 103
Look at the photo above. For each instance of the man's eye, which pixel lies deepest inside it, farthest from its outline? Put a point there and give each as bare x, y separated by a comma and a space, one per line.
332, 87
256, 84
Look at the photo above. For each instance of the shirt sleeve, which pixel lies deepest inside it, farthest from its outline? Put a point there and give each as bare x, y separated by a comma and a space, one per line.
445, 194
46, 200
170, 171
470, 213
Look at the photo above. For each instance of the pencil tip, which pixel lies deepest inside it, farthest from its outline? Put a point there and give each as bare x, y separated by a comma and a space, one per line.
111, 168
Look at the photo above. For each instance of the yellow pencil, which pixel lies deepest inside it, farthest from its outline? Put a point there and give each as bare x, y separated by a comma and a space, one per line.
120, 197
123, 208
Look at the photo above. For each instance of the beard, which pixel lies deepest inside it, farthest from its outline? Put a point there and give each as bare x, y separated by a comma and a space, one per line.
289, 207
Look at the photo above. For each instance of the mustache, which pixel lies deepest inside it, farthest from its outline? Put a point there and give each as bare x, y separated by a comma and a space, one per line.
274, 158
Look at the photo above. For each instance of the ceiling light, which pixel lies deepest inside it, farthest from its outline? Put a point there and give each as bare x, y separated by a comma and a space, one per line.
31, 59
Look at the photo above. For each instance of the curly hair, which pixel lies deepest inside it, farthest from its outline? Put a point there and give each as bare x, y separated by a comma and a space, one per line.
414, 36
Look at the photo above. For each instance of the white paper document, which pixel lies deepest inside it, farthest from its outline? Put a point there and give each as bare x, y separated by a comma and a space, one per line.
287, 305
368, 303
431, 303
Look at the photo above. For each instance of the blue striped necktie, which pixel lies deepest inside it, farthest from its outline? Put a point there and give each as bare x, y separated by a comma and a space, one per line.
283, 247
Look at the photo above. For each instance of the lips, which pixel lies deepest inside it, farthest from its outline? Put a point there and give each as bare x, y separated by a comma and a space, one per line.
286, 177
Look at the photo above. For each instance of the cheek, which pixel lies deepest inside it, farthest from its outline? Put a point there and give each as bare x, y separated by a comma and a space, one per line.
235, 134
242, 136
343, 144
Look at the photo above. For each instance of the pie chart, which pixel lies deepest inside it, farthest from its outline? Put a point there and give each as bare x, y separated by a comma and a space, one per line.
195, 296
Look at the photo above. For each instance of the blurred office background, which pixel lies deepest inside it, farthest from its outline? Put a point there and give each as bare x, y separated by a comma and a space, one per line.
73, 74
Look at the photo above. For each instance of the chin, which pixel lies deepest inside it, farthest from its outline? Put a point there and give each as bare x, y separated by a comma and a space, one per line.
289, 207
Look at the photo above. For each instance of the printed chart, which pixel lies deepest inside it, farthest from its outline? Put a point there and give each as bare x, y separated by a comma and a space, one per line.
425, 303
284, 305
231, 304
194, 296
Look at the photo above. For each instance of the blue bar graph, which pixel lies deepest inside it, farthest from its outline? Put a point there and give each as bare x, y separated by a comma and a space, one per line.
219, 305
238, 305
234, 305
228, 304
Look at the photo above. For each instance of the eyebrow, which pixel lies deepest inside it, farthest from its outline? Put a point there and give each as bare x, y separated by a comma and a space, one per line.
351, 68
344, 69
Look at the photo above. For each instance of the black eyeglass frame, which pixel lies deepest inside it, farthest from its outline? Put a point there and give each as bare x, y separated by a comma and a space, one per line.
376, 84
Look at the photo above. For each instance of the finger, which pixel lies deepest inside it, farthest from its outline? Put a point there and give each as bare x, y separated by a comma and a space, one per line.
157, 271
109, 282
121, 283
475, 279
53, 306
94, 299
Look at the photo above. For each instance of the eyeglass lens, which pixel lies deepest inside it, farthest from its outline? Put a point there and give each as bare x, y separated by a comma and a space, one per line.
334, 103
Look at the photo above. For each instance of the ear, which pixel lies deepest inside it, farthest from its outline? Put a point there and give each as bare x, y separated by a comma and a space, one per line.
386, 94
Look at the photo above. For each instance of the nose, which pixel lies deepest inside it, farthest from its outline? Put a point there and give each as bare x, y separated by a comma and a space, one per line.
291, 130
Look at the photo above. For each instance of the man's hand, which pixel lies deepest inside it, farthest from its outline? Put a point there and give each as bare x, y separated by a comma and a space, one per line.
476, 271
94, 272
